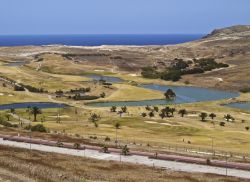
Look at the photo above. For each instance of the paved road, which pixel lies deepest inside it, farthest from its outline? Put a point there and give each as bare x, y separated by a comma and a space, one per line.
137, 159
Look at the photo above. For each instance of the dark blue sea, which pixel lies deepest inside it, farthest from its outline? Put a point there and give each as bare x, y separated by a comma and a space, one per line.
96, 40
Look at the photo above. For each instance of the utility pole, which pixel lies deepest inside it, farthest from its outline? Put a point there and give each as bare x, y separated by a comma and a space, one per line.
212, 145
226, 165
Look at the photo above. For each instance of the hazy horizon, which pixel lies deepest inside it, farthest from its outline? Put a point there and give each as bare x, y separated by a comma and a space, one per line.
64, 17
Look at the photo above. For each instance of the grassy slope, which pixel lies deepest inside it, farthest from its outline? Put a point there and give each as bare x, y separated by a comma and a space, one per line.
233, 137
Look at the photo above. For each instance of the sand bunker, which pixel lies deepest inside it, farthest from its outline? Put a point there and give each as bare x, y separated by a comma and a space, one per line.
61, 116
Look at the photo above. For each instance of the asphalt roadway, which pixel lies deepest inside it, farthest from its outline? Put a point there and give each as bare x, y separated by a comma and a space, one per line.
170, 162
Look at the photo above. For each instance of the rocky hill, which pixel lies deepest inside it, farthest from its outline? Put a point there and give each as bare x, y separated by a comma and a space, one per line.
229, 45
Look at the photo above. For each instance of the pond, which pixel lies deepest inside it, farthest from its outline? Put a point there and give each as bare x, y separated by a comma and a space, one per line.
184, 94
239, 105
109, 79
41, 105
16, 63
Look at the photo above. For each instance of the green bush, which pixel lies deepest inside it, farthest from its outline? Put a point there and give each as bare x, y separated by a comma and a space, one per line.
38, 128
245, 90
172, 75
8, 124
150, 72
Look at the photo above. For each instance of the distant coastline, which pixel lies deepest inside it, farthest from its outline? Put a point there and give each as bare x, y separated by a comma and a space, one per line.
97, 40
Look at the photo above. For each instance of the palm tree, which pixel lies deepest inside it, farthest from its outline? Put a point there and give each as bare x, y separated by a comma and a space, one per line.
124, 109
162, 115
156, 109
94, 117
105, 149
35, 111
151, 114
7, 115
77, 145
113, 109
203, 116
182, 112
144, 114
28, 110
212, 115
172, 110
229, 117
117, 126
166, 111
125, 150
12, 110
148, 108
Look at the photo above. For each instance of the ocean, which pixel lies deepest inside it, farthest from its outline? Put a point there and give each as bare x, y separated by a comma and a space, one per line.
96, 40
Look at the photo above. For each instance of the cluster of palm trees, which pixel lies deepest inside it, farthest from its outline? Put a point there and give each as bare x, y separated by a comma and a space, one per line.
163, 113
31, 110
204, 115
123, 109
169, 112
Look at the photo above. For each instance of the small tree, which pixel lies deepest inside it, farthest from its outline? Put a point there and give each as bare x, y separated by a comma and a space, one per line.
105, 149
169, 94
7, 115
212, 115
222, 123
117, 125
124, 109
113, 109
172, 110
77, 145
144, 114
203, 116
151, 114
102, 95
182, 112
247, 128
12, 110
125, 150
156, 109
35, 111
94, 117
228, 117
162, 115
148, 108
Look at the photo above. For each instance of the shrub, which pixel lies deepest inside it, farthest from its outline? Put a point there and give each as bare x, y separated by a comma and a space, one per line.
18, 88
7, 124
102, 95
245, 90
172, 75
247, 128
85, 97
150, 72
125, 150
107, 139
38, 128
222, 123
77, 145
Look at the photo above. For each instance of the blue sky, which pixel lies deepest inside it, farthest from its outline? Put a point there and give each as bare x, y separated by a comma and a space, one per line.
120, 16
